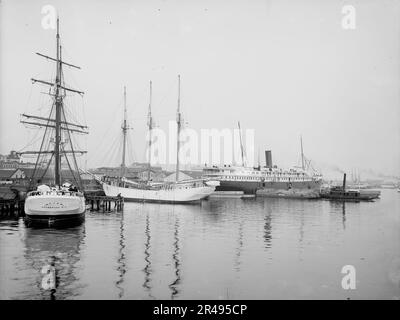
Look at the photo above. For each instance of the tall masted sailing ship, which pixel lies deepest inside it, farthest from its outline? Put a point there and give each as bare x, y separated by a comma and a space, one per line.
269, 180
58, 201
186, 191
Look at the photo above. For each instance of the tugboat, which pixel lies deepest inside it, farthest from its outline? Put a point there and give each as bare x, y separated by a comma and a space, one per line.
343, 194
59, 202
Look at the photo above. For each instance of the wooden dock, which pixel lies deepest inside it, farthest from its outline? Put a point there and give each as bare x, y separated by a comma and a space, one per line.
104, 203
11, 201
12, 207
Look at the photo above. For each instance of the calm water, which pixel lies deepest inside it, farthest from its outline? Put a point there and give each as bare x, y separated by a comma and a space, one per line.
221, 249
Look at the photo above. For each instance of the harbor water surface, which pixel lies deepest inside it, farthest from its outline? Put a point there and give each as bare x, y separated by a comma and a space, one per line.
259, 248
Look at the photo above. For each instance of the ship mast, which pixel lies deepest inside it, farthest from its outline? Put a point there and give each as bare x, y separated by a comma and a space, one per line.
302, 153
124, 130
58, 99
241, 144
178, 122
59, 123
150, 126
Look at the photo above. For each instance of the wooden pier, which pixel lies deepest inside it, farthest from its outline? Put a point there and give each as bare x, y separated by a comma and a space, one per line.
12, 207
11, 201
104, 203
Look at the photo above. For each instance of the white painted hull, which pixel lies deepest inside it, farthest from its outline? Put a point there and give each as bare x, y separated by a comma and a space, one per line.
54, 206
173, 195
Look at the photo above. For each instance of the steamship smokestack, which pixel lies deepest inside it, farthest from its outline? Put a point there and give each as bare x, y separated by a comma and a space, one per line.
268, 158
344, 182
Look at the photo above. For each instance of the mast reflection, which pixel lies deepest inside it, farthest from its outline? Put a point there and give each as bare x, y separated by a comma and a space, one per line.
301, 227
268, 228
175, 256
344, 215
339, 207
122, 258
147, 268
239, 247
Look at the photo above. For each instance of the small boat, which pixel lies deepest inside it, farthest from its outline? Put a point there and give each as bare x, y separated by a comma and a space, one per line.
55, 203
187, 191
343, 194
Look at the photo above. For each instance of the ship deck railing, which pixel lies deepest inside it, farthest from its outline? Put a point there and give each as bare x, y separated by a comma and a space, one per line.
55, 193
162, 185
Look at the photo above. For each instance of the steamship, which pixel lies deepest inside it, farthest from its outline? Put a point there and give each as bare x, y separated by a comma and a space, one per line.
267, 181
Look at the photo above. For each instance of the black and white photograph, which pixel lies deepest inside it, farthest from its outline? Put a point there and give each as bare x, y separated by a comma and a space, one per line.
182, 150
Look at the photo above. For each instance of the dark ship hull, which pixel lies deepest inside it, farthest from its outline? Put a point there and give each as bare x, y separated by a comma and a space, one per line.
248, 187
267, 187
349, 196
296, 189
55, 221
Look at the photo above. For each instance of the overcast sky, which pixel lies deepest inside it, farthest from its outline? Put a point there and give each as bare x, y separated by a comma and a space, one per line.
283, 68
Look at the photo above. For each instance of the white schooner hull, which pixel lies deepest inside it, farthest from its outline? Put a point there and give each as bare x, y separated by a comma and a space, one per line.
173, 195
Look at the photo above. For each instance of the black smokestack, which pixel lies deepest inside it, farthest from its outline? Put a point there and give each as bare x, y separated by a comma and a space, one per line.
344, 182
268, 158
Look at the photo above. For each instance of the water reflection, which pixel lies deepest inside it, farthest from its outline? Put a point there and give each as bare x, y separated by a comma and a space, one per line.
189, 252
59, 248
239, 246
147, 268
121, 258
339, 207
213, 209
344, 215
268, 228
301, 227
175, 256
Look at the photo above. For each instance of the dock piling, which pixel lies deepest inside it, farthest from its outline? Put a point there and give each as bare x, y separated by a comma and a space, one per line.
104, 203
10, 207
